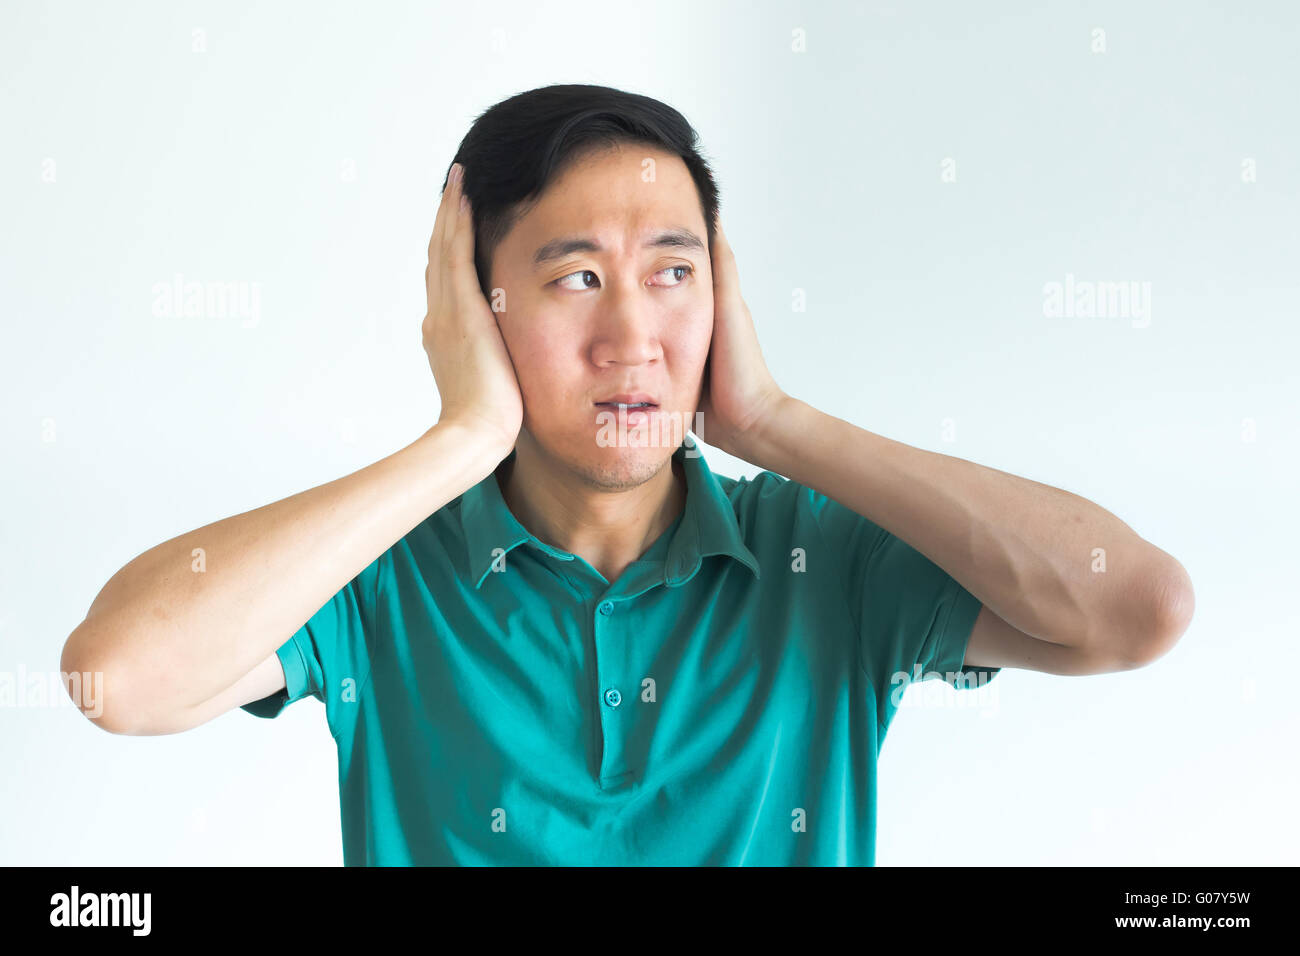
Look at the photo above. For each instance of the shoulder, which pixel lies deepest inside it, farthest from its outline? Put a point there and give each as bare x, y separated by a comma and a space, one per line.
436, 541
771, 507
762, 490
770, 502
771, 493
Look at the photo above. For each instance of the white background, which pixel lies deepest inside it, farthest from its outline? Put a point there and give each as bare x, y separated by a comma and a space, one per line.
303, 149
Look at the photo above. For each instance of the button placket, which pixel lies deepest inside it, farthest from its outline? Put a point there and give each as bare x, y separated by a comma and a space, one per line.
611, 669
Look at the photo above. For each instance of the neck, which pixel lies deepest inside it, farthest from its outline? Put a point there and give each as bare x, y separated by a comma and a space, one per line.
609, 522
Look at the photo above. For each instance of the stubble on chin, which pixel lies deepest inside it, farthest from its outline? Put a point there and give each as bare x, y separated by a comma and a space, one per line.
621, 469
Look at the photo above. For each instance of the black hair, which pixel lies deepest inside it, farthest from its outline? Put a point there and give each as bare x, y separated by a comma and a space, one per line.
517, 147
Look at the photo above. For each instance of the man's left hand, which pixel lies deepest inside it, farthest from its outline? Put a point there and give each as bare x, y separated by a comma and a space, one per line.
740, 399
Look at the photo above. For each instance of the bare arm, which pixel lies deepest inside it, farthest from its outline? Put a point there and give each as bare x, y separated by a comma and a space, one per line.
190, 628
1033, 555
168, 638
1027, 550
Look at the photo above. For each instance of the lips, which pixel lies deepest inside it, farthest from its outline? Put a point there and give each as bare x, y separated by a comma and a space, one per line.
630, 398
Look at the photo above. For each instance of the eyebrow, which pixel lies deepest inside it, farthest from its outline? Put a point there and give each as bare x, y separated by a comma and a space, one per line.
559, 248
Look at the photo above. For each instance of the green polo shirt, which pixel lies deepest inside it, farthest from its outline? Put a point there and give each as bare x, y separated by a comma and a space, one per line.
495, 700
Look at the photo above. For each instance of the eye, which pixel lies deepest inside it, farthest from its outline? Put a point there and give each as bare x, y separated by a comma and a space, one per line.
580, 272
687, 269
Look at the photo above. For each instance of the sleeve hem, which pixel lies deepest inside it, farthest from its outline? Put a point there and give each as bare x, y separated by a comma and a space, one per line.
953, 639
295, 682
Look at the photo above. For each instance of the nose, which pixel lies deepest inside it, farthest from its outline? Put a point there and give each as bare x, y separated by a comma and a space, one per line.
627, 332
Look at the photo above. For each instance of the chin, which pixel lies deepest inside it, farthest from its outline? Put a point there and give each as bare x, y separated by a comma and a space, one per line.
620, 467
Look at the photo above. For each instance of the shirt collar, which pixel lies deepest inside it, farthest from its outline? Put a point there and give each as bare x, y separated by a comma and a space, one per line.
708, 525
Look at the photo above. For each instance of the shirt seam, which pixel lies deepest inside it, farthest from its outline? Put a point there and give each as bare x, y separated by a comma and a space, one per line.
940, 634
368, 634
845, 592
871, 687
305, 689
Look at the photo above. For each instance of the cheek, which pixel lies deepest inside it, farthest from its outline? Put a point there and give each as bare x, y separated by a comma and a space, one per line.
692, 337
542, 366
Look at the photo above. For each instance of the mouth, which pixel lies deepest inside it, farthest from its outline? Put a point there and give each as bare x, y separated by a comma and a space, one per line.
627, 407
636, 413
632, 402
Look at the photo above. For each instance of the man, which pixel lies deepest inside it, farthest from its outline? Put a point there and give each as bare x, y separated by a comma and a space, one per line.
544, 635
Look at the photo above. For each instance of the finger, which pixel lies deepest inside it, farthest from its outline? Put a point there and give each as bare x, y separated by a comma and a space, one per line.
454, 260
446, 210
435, 273
460, 255
725, 279
437, 218
454, 209
720, 238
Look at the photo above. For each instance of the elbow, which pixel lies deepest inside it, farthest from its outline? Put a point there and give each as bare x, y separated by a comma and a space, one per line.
1168, 614
85, 677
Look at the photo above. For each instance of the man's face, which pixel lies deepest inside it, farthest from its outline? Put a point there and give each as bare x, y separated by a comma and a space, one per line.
586, 325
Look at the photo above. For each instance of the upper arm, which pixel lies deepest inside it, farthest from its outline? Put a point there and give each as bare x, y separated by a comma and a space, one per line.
995, 643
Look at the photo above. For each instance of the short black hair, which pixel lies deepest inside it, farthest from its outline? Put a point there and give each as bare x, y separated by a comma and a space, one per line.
517, 147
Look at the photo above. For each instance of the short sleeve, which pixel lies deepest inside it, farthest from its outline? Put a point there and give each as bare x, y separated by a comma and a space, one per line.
913, 619
330, 654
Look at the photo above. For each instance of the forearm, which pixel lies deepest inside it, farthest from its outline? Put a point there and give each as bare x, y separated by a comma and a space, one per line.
188, 618
1050, 563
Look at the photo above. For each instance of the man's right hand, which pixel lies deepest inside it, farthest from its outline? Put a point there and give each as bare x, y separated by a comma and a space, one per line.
475, 377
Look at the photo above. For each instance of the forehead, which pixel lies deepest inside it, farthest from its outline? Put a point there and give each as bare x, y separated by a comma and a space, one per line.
617, 196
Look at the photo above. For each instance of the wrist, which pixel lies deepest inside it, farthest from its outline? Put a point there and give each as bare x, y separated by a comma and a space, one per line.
762, 443
483, 448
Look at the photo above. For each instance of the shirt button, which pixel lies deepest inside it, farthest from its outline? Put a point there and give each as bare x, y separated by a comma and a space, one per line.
612, 697
606, 608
